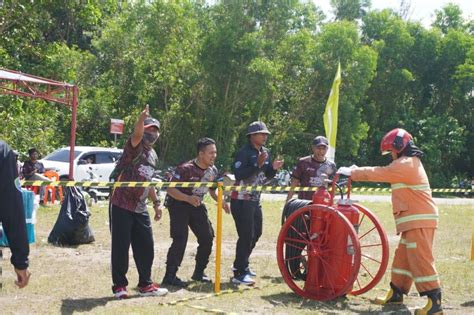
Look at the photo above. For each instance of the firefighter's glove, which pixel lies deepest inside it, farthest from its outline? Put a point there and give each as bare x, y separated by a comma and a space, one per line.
346, 171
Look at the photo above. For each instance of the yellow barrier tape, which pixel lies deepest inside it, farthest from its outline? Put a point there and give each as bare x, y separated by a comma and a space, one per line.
209, 310
214, 185
239, 289
117, 184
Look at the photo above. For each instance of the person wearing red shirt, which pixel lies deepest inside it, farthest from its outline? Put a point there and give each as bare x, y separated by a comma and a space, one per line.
130, 222
312, 170
187, 211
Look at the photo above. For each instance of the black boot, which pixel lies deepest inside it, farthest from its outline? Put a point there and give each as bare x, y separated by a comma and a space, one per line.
170, 278
394, 296
433, 307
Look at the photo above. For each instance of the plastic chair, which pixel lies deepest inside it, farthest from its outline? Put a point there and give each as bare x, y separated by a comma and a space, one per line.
54, 177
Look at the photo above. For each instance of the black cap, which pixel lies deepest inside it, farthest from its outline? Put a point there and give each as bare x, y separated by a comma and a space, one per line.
320, 140
150, 122
257, 127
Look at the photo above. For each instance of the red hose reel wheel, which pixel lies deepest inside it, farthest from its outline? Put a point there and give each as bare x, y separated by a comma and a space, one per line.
374, 251
328, 252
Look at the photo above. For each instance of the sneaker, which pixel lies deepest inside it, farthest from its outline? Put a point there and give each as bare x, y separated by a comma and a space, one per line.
248, 271
243, 279
121, 292
174, 281
152, 290
201, 277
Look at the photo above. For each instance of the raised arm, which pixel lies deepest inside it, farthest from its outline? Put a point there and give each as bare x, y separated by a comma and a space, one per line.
137, 134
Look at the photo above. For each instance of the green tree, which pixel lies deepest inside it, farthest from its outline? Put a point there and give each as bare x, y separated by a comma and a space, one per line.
350, 9
449, 17
441, 139
148, 54
211, 69
386, 106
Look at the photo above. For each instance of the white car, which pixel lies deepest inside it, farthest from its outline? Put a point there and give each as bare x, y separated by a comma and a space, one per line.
90, 163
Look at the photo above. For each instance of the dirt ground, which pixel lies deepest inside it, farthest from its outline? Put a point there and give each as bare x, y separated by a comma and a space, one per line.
77, 279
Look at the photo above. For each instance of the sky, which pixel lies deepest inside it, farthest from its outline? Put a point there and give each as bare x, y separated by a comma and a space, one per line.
421, 10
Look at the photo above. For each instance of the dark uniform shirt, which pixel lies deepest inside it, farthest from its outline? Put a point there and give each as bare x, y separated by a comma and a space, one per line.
134, 198
12, 214
312, 173
191, 172
29, 166
247, 171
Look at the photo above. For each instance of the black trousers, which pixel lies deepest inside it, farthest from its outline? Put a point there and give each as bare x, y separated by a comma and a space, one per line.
12, 214
248, 222
127, 228
182, 215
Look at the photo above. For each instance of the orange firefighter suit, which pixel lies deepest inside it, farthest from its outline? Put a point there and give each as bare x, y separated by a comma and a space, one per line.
416, 218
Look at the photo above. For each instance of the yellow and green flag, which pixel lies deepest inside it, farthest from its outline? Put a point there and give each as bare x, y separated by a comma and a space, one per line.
330, 114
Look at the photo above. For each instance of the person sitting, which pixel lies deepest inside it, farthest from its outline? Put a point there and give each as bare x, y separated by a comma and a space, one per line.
33, 170
89, 159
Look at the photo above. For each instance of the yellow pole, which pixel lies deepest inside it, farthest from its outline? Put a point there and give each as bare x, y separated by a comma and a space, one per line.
472, 241
217, 284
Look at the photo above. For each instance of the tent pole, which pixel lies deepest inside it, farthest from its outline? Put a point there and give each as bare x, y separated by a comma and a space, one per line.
73, 132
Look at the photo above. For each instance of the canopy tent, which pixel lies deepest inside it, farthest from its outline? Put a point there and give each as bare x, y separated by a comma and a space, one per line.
21, 84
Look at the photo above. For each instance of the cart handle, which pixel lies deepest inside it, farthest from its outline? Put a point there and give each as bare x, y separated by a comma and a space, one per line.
339, 185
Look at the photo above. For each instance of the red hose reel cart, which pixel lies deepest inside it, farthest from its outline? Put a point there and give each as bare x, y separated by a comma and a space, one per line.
327, 250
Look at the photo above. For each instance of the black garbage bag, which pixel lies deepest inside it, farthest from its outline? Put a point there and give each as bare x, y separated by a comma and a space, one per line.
72, 225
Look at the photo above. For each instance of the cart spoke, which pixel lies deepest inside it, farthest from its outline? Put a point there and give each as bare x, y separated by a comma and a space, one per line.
294, 258
371, 245
362, 236
293, 245
299, 233
367, 270
358, 283
305, 225
373, 259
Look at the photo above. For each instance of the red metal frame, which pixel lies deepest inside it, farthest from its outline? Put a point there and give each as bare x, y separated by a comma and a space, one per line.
27, 85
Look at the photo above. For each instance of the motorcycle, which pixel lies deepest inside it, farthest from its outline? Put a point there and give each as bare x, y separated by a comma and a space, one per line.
282, 178
93, 192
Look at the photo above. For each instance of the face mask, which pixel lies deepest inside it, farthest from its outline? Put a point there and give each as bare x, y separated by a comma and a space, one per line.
150, 138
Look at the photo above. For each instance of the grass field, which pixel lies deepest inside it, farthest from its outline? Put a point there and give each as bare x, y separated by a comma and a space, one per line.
77, 279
